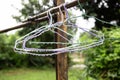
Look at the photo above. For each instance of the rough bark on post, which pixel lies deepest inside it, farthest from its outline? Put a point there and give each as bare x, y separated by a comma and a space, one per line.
61, 59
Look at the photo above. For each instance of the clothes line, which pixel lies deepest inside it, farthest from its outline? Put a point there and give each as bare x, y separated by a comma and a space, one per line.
54, 10
41, 16
22, 25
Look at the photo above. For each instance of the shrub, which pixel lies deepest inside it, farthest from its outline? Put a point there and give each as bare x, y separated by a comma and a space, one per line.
103, 61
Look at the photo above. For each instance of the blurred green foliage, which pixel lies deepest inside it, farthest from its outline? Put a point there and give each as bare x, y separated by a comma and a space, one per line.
8, 58
103, 61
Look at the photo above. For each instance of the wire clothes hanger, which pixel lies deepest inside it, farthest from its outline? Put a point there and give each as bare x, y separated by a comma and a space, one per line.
77, 46
94, 33
71, 46
38, 32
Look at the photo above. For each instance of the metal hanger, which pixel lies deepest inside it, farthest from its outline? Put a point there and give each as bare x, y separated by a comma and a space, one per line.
71, 46
86, 44
39, 32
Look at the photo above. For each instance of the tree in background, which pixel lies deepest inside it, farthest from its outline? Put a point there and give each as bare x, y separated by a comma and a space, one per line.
103, 61
107, 10
29, 9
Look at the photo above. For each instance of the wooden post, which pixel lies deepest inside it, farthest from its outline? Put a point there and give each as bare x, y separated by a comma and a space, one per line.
61, 59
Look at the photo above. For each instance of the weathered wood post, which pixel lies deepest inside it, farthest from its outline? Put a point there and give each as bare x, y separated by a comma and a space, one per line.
61, 59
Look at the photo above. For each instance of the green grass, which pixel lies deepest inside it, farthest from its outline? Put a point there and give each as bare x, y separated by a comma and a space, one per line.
37, 74
27, 74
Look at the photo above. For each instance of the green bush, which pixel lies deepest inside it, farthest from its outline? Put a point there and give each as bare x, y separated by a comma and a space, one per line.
9, 58
104, 61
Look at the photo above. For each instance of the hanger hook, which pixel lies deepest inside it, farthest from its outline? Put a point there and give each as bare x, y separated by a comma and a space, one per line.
66, 11
61, 13
49, 17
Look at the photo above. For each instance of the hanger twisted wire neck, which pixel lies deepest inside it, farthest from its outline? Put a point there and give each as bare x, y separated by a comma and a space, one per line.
61, 13
66, 11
